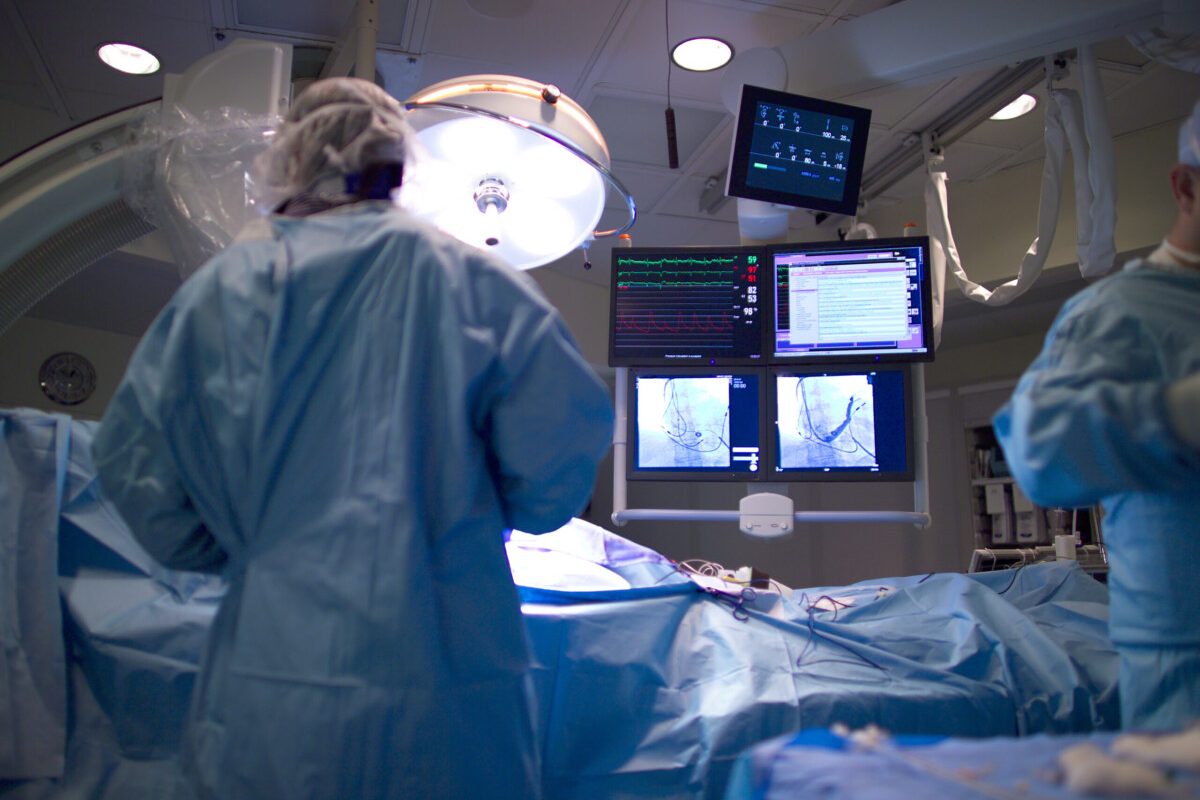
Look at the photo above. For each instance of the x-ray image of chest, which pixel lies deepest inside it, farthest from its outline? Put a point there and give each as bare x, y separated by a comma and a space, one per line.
826, 421
683, 422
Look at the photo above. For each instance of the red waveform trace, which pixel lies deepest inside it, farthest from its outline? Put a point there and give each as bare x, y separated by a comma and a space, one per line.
680, 323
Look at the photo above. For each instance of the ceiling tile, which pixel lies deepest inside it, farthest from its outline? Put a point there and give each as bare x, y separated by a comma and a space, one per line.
683, 200
636, 129
24, 127
891, 105
550, 43
646, 186
638, 56
324, 19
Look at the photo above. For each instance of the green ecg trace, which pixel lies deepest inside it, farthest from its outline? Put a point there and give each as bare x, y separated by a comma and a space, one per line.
652, 262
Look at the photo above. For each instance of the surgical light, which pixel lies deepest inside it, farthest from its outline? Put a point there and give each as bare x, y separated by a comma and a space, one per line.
1017, 108
702, 53
514, 167
128, 58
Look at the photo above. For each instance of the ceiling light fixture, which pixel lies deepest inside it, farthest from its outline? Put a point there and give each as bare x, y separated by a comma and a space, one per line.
128, 58
515, 167
1017, 108
702, 53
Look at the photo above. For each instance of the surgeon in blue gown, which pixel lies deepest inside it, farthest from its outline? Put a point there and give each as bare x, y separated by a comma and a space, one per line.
1110, 412
343, 413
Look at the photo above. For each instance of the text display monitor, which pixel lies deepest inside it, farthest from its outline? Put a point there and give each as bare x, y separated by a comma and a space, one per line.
841, 424
798, 151
686, 305
861, 301
696, 424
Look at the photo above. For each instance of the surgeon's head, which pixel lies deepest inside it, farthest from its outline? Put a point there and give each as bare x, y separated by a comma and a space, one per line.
1185, 186
342, 135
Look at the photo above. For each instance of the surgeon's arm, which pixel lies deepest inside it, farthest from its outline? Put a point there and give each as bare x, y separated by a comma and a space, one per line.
549, 428
136, 470
1089, 419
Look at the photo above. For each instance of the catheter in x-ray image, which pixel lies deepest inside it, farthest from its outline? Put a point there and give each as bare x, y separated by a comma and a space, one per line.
683, 422
826, 421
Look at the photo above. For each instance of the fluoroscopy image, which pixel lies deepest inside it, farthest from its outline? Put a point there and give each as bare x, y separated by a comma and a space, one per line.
826, 421
683, 422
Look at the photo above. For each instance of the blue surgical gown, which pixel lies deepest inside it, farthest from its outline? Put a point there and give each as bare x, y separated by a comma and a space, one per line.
1088, 423
343, 416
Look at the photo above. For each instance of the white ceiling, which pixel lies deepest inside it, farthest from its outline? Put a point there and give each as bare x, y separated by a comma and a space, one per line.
610, 55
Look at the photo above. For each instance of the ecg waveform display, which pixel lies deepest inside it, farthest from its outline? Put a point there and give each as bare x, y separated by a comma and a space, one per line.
686, 306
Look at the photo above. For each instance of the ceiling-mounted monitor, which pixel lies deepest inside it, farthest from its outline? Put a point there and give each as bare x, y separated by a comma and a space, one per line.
696, 424
798, 151
687, 305
840, 423
861, 301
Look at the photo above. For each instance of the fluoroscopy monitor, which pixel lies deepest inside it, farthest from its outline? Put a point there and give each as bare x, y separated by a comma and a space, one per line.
841, 424
798, 151
687, 305
696, 425
861, 301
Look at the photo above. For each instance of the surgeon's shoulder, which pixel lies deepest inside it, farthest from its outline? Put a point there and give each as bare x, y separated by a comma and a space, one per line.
1125, 299
239, 272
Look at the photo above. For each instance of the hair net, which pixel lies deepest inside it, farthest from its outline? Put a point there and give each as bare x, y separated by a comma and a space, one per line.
1189, 138
336, 127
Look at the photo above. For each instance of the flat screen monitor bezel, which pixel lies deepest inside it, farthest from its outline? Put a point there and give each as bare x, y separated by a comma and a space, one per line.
737, 184
851, 356
632, 473
838, 476
765, 300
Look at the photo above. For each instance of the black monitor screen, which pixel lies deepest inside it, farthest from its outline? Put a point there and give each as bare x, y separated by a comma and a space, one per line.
798, 151
841, 424
686, 305
862, 300
696, 425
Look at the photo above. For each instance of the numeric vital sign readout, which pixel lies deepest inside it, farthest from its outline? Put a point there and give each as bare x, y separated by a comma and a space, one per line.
686, 306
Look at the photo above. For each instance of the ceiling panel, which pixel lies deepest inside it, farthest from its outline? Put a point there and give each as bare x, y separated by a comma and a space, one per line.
646, 185
889, 107
325, 19
636, 129
24, 127
638, 56
72, 59
684, 200
551, 42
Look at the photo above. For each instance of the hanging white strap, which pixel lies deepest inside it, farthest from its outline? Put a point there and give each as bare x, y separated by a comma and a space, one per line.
944, 252
1084, 122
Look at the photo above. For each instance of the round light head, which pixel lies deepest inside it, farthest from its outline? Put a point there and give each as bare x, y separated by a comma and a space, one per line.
1017, 108
511, 167
702, 53
128, 58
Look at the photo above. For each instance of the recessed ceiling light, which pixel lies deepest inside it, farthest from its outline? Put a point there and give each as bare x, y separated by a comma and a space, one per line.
128, 58
702, 54
1019, 107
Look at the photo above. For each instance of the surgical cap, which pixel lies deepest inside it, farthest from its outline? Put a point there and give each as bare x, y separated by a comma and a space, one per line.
1189, 139
336, 127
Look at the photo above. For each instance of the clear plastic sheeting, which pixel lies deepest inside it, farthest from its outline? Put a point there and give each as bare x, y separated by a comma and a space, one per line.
191, 177
647, 692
